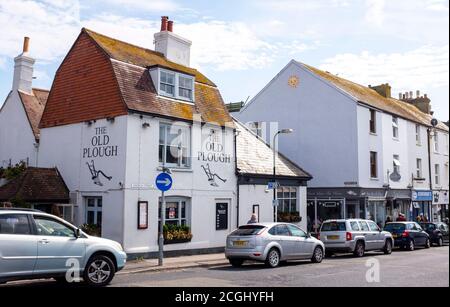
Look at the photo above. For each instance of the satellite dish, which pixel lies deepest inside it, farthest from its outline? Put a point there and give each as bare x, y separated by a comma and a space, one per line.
434, 122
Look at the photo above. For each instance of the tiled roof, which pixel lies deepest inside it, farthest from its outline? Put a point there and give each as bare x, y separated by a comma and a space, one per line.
34, 107
255, 157
131, 54
105, 77
36, 185
139, 94
370, 97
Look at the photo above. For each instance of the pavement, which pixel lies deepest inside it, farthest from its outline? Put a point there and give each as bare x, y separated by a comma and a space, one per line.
420, 268
175, 263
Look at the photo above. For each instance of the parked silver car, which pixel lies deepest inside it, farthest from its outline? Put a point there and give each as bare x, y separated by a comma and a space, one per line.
354, 236
272, 243
35, 245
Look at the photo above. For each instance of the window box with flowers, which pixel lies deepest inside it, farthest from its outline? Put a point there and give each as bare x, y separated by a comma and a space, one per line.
289, 217
175, 234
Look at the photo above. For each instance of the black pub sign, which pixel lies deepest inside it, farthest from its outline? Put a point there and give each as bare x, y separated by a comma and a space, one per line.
221, 216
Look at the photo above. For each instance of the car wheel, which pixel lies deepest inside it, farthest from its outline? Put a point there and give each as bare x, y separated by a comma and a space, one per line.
273, 258
236, 262
360, 249
440, 242
388, 247
317, 255
428, 243
411, 246
99, 271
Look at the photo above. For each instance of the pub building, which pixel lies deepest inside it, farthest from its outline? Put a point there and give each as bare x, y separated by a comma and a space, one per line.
117, 115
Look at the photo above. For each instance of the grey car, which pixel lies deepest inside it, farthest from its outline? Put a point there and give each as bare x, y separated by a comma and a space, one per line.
354, 236
35, 245
272, 243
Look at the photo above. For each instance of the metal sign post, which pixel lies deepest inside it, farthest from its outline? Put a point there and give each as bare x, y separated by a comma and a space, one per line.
163, 183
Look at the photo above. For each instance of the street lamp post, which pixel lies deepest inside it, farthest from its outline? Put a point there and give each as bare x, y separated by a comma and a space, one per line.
275, 209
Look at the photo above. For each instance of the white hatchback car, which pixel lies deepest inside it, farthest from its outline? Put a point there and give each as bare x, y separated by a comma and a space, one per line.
36, 245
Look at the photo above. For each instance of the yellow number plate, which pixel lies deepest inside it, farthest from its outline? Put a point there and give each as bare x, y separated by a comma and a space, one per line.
239, 243
333, 237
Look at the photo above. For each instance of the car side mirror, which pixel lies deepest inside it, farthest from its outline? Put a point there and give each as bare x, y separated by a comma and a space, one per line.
77, 233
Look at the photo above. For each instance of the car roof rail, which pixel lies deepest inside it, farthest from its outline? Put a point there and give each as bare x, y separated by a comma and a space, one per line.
19, 209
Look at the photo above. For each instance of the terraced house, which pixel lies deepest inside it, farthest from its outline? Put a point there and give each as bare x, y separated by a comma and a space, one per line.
372, 156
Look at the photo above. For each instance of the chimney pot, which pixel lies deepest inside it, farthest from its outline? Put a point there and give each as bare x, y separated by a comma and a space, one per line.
418, 94
164, 23
406, 95
26, 44
399, 96
170, 26
425, 95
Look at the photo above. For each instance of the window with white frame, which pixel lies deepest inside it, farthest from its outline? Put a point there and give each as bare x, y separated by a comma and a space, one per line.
167, 83
419, 168
287, 199
437, 175
418, 138
185, 87
373, 164
94, 207
373, 121
174, 145
395, 127
177, 211
446, 143
256, 128
396, 164
176, 85
436, 141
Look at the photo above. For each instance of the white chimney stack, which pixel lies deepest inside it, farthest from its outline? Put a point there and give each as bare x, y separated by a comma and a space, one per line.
174, 47
23, 69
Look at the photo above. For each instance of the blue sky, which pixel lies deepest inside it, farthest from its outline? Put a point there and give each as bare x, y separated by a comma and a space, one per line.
242, 45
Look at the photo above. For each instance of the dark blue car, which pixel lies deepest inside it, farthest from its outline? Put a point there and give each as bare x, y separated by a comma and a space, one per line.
438, 232
408, 235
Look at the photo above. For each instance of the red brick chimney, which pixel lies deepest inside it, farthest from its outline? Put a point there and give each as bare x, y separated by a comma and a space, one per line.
164, 23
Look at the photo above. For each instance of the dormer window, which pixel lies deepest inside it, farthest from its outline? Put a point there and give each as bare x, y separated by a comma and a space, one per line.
185, 87
167, 83
174, 84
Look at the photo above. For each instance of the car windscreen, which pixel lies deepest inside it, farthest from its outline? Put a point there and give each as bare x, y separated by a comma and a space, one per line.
247, 230
395, 227
333, 226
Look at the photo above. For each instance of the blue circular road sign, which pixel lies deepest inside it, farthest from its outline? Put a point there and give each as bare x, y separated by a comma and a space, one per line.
164, 182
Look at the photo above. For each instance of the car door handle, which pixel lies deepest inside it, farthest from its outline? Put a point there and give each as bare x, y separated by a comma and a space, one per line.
44, 241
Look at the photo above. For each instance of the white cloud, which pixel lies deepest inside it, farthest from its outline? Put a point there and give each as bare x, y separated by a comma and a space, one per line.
304, 5
145, 5
425, 68
226, 45
52, 26
375, 12
437, 5
216, 44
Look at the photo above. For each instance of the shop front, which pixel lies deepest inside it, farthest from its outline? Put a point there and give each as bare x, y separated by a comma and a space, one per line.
440, 206
379, 205
421, 205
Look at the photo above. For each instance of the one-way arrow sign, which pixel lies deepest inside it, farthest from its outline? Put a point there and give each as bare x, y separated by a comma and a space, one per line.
164, 182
